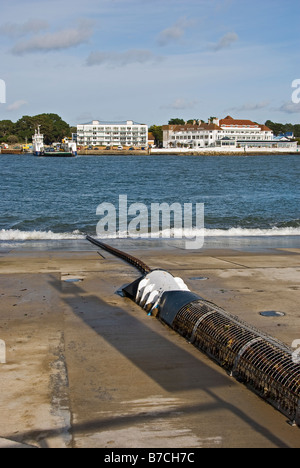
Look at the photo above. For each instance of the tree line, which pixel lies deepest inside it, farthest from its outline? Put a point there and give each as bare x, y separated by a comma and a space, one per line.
55, 129
52, 127
279, 128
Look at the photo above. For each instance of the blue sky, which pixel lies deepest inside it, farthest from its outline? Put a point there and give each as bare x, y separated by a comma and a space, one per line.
150, 60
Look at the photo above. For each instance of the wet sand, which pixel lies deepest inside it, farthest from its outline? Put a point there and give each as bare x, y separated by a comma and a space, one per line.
86, 367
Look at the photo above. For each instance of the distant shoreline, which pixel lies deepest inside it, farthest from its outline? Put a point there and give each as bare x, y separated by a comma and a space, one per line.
172, 152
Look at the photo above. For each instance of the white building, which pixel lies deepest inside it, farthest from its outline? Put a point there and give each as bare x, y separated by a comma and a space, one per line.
127, 133
190, 135
244, 130
225, 132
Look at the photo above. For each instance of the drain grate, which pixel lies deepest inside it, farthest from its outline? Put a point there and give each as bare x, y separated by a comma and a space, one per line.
272, 313
73, 280
199, 278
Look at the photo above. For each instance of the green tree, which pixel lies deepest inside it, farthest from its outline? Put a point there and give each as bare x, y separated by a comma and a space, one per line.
176, 122
7, 127
277, 128
12, 139
52, 127
297, 131
157, 132
24, 128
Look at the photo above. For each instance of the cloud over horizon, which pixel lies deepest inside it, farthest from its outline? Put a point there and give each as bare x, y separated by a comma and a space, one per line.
181, 104
175, 32
290, 108
22, 29
225, 42
16, 105
250, 107
63, 39
121, 59
197, 57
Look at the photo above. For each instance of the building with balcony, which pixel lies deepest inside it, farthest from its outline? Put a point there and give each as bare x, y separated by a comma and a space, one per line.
244, 130
191, 135
125, 133
224, 132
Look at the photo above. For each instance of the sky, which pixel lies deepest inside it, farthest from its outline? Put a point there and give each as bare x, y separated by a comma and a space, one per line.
149, 60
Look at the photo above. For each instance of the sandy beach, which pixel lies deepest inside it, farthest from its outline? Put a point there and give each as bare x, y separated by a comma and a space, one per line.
86, 367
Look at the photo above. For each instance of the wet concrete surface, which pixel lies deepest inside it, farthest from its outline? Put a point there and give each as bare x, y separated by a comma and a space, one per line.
88, 368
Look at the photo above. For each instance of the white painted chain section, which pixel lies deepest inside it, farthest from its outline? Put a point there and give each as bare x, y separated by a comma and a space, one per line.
152, 287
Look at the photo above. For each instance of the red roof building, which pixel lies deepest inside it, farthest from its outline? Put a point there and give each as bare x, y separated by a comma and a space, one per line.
230, 122
226, 131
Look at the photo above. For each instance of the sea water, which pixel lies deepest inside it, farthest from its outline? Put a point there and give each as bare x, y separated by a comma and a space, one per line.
55, 199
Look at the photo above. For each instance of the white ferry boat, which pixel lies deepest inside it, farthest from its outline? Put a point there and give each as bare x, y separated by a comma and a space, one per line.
38, 143
67, 149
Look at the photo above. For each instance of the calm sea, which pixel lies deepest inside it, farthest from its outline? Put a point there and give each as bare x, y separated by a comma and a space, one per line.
56, 199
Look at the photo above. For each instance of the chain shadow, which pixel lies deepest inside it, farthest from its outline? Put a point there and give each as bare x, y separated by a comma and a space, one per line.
169, 365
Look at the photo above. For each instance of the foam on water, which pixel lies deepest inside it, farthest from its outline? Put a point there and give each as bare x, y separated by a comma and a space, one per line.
17, 235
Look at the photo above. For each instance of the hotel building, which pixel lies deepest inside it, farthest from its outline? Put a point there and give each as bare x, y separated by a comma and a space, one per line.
224, 132
244, 130
127, 133
191, 135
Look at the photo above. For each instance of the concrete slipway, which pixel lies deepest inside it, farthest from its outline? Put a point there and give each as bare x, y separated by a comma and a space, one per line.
86, 367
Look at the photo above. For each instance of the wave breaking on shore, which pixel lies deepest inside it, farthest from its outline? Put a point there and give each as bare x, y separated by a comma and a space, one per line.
17, 235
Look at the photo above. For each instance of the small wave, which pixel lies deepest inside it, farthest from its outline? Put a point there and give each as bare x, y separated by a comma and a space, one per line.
245, 232
191, 233
294, 223
17, 235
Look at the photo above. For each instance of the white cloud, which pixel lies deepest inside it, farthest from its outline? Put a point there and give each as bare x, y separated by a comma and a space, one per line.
290, 108
250, 107
175, 32
16, 105
225, 42
22, 29
189, 72
59, 40
121, 59
181, 104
